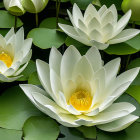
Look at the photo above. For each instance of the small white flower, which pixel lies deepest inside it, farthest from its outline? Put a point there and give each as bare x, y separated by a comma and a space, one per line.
14, 7
99, 28
34, 6
15, 52
79, 90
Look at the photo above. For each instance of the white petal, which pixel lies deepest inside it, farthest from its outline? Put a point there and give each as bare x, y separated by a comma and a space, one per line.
127, 76
94, 57
69, 59
102, 10
8, 79
82, 26
55, 83
71, 17
69, 30
84, 68
77, 14
55, 60
119, 124
29, 89
3, 67
112, 68
94, 24
95, 35
21, 69
113, 95
19, 38
124, 36
99, 45
91, 10
114, 112
113, 9
50, 108
107, 17
2, 42
93, 112
123, 21
9, 72
43, 71
9, 34
26, 58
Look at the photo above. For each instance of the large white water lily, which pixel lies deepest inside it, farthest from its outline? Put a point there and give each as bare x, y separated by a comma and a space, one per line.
34, 6
15, 52
99, 28
14, 7
80, 90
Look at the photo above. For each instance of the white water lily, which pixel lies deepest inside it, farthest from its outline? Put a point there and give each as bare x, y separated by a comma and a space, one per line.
79, 90
15, 52
34, 6
99, 28
14, 7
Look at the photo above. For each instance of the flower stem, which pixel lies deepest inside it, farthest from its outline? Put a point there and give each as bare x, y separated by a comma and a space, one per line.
36, 19
127, 61
15, 26
57, 11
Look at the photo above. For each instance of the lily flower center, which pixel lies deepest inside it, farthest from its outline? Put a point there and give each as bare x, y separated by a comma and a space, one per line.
6, 59
81, 100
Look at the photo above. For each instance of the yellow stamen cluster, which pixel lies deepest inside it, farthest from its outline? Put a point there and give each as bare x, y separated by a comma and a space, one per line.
6, 59
81, 100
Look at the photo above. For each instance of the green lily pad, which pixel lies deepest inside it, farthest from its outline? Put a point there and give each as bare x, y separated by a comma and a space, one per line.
70, 134
15, 109
33, 79
88, 132
47, 38
50, 23
7, 20
135, 63
6, 134
120, 49
134, 91
40, 128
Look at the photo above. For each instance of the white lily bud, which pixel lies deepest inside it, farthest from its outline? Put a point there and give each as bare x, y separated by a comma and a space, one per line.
14, 7
34, 6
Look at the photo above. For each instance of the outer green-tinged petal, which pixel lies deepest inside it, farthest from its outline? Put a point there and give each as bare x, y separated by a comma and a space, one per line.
119, 124
14, 6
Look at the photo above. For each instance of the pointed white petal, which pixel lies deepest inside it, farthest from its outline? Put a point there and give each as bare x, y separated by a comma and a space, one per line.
111, 69
43, 71
119, 124
124, 36
95, 35
94, 57
69, 30
102, 10
8, 79
55, 60
9, 34
69, 59
77, 14
84, 68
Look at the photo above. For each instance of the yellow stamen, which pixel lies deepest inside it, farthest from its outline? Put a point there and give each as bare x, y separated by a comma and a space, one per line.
6, 59
81, 100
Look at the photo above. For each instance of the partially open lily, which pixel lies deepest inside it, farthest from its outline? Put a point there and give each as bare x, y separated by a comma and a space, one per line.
79, 90
14, 7
15, 52
34, 6
99, 28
